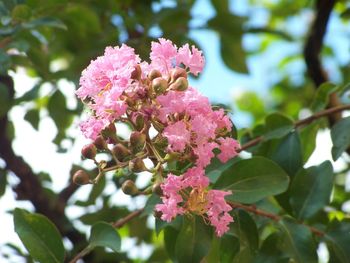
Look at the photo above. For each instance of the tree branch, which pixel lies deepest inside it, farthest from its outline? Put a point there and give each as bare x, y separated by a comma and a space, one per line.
313, 48
274, 217
300, 123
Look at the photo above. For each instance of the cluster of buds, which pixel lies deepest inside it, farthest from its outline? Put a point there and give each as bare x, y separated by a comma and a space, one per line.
170, 121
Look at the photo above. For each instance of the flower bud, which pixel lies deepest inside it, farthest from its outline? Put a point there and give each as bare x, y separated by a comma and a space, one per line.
89, 151
154, 74
137, 141
129, 188
180, 84
120, 152
177, 73
136, 74
159, 85
100, 143
81, 177
137, 165
139, 122
110, 133
157, 189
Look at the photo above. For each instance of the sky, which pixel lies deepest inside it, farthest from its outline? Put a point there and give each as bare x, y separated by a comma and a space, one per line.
217, 82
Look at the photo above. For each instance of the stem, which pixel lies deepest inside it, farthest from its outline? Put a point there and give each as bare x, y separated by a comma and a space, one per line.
300, 123
274, 217
121, 222
81, 254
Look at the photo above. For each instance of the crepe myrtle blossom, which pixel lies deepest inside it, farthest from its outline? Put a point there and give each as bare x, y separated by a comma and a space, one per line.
188, 193
119, 87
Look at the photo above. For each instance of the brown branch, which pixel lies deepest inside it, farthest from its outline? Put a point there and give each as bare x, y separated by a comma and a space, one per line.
121, 222
313, 47
30, 187
300, 123
274, 217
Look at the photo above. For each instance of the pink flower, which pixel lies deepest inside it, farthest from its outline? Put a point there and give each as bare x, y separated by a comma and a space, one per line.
92, 127
218, 211
204, 153
228, 147
222, 121
170, 208
178, 136
195, 177
193, 60
203, 127
163, 55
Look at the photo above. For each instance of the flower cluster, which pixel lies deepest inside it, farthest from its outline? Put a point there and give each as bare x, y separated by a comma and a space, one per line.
119, 87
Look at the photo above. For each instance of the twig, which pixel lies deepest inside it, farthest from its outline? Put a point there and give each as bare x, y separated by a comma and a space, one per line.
121, 222
300, 123
274, 217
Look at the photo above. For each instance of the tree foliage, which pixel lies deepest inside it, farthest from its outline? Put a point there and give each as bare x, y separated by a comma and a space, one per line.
283, 210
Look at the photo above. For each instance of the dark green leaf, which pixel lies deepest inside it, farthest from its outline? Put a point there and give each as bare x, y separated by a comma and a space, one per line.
194, 240
244, 228
297, 241
338, 240
311, 190
104, 235
40, 236
322, 96
340, 134
277, 125
288, 154
216, 168
170, 237
253, 179
32, 116
229, 247
269, 252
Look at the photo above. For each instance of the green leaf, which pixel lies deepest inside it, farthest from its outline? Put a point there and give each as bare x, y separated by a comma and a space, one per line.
32, 116
253, 179
269, 252
150, 204
40, 236
229, 247
311, 190
288, 153
340, 137
244, 228
322, 96
230, 30
58, 111
308, 139
297, 241
338, 240
170, 237
45, 21
194, 240
220, 6
104, 235
216, 168
277, 125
